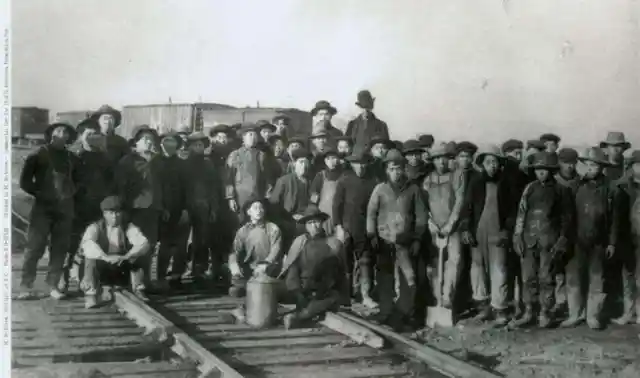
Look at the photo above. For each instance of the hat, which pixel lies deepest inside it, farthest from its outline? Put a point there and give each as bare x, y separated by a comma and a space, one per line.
443, 149
319, 133
568, 155
106, 109
426, 140
550, 138
466, 146
595, 155
85, 124
492, 150
344, 138
300, 154
537, 144
285, 118
186, 130
615, 138
298, 139
248, 127
377, 139
394, 156
544, 160
397, 144
312, 212
365, 100
322, 104
328, 152
172, 135
512, 144
264, 124
411, 145
199, 135
253, 200
141, 129
634, 157
275, 137
111, 203
359, 157
220, 129
73, 135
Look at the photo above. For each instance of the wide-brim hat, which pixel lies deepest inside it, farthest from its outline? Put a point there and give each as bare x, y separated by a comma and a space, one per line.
443, 149
394, 156
512, 144
365, 100
544, 160
359, 157
492, 150
412, 145
141, 129
248, 127
312, 212
322, 104
86, 124
298, 139
73, 135
253, 200
226, 129
111, 203
595, 155
301, 153
550, 138
615, 138
172, 135
329, 152
106, 109
198, 136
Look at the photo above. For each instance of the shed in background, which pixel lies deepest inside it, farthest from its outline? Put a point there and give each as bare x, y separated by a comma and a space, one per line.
300, 120
72, 117
28, 120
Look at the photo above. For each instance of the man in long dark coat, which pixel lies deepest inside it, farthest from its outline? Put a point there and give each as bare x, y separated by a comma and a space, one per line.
366, 124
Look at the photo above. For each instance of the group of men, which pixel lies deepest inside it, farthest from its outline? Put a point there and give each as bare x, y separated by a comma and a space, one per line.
340, 217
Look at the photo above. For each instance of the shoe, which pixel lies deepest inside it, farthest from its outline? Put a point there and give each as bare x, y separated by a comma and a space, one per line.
570, 322
484, 313
558, 308
106, 294
236, 292
501, 318
623, 320
369, 303
90, 301
239, 314
544, 320
525, 320
26, 295
289, 321
594, 323
141, 295
56, 294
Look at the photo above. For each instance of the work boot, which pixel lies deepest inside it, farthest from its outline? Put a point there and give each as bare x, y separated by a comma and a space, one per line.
571, 321
594, 323
484, 312
594, 309
290, 321
501, 318
544, 320
369, 303
56, 294
627, 314
525, 320
26, 294
90, 301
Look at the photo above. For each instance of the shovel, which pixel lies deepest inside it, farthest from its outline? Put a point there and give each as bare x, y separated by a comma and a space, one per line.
439, 315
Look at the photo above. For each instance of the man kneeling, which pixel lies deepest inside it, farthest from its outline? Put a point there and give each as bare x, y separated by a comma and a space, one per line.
314, 270
111, 249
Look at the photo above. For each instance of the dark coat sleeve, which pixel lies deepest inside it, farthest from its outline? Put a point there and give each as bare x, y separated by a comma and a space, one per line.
28, 175
350, 128
316, 187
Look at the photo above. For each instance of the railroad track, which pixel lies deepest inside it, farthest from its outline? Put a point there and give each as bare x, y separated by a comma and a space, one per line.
199, 328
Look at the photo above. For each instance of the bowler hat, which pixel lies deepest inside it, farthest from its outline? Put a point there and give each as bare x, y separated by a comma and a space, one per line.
359, 157
615, 138
595, 155
85, 124
220, 129
410, 146
442, 149
141, 129
330, 152
394, 156
300, 153
322, 104
492, 150
312, 212
568, 155
199, 135
73, 135
466, 146
111, 203
365, 100
550, 138
285, 118
512, 144
426, 140
275, 137
106, 109
537, 144
544, 160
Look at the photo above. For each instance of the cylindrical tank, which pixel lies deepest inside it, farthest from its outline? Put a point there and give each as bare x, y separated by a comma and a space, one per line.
262, 301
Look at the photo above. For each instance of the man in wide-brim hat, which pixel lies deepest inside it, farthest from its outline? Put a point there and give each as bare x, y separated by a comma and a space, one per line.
615, 144
366, 124
109, 118
63, 131
314, 270
322, 113
416, 168
319, 143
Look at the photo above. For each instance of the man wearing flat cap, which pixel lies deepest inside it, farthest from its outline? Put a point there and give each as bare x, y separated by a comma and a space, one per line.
114, 249
366, 124
323, 112
50, 175
109, 118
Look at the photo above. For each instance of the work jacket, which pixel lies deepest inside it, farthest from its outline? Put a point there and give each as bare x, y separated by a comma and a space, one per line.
361, 130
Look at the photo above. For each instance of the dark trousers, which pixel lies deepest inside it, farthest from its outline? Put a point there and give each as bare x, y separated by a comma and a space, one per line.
585, 276
202, 243
47, 222
358, 253
148, 221
630, 261
390, 256
174, 236
98, 273
315, 305
537, 277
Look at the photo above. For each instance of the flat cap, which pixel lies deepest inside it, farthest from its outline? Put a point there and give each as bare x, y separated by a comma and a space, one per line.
512, 144
550, 138
568, 155
111, 203
466, 146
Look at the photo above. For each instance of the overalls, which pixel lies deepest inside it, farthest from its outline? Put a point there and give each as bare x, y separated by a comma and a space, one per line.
325, 203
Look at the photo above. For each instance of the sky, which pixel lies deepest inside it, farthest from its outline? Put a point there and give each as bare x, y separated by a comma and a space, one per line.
483, 70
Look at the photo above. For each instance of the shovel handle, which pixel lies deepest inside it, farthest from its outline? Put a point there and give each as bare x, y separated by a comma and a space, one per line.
441, 248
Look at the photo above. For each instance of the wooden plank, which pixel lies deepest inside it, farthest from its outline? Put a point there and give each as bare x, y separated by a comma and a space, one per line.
356, 369
251, 334
321, 340
121, 369
356, 332
303, 356
436, 359
184, 345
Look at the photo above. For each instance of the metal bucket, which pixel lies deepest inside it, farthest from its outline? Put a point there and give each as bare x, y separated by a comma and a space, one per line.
262, 301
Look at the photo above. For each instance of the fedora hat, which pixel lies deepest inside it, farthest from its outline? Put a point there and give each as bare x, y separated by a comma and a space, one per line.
322, 104
141, 129
379, 139
410, 146
312, 212
330, 152
568, 155
300, 153
359, 157
106, 109
595, 155
222, 128
298, 139
248, 127
492, 150
633, 158
443, 149
199, 135
73, 135
264, 124
365, 100
615, 138
544, 160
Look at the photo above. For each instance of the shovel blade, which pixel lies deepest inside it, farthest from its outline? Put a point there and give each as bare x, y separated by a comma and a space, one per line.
439, 316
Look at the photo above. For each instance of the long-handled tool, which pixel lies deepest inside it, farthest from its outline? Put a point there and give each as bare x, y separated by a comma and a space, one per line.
439, 315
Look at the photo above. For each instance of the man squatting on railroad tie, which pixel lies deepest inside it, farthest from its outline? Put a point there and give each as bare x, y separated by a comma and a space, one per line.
354, 217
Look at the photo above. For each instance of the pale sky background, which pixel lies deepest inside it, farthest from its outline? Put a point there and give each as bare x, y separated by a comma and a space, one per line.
483, 70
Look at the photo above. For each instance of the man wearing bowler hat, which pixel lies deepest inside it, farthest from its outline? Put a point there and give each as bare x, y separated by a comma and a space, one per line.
323, 112
50, 176
362, 128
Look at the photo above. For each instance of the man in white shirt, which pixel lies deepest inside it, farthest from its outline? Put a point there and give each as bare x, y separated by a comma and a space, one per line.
112, 249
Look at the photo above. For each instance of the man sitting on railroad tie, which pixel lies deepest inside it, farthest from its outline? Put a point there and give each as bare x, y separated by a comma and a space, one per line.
314, 270
112, 249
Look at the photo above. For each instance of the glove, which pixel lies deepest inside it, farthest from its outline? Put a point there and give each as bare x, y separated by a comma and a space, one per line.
468, 239
518, 245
